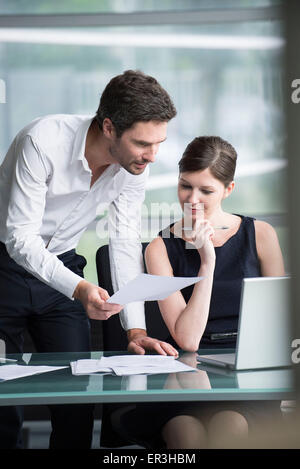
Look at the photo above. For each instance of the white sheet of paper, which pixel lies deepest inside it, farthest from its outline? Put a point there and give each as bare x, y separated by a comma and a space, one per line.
107, 364
88, 366
146, 287
174, 367
125, 365
136, 360
8, 372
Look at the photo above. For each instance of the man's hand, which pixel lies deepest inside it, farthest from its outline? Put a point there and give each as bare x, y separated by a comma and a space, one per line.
94, 299
139, 343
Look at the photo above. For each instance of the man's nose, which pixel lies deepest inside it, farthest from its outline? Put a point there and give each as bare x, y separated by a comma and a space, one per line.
151, 153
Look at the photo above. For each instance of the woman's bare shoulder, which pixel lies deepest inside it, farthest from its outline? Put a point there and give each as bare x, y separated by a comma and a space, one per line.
264, 230
156, 257
155, 244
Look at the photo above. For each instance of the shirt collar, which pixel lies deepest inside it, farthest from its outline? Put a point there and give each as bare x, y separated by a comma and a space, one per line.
78, 152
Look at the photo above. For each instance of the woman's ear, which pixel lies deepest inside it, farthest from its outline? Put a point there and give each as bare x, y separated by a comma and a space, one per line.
229, 189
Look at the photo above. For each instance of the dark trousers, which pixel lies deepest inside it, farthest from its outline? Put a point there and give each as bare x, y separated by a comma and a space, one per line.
56, 324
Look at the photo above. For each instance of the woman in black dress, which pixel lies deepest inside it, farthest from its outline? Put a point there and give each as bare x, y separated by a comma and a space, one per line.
223, 248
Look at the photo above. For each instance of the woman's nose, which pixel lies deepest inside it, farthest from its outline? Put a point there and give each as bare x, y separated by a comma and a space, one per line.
194, 197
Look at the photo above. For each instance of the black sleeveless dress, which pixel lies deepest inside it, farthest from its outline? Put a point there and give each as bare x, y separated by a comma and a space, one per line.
235, 260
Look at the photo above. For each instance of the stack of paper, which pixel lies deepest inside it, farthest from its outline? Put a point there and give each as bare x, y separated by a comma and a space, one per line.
125, 365
144, 287
8, 372
88, 366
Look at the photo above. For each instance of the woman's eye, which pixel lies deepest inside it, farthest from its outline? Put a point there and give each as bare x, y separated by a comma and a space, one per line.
204, 191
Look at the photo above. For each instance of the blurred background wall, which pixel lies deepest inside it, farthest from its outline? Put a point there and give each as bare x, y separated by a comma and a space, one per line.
221, 61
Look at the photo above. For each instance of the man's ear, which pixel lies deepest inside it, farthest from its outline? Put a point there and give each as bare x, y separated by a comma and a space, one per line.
229, 189
108, 128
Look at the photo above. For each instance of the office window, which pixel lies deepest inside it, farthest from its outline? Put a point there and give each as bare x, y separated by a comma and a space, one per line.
122, 6
225, 79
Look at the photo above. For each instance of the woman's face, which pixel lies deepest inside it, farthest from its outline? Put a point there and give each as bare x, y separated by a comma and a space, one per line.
200, 190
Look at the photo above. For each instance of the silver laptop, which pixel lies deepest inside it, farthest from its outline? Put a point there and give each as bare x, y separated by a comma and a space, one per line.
264, 334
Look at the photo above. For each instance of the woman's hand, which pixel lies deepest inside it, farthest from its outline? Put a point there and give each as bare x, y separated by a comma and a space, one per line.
201, 237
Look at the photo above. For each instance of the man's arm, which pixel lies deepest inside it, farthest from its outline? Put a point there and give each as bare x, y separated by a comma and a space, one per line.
24, 220
125, 249
126, 262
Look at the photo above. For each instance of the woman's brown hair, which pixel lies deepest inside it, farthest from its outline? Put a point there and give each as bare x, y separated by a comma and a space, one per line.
210, 152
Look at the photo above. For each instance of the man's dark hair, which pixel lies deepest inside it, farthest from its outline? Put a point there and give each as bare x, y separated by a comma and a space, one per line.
134, 97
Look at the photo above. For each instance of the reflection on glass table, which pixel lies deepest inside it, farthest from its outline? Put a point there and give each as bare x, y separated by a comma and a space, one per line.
206, 383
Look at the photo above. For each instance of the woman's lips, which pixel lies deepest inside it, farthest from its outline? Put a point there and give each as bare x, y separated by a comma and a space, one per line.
193, 210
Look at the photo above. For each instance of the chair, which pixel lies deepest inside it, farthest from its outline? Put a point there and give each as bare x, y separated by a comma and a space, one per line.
115, 339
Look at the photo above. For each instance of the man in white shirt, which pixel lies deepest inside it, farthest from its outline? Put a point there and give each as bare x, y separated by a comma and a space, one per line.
56, 172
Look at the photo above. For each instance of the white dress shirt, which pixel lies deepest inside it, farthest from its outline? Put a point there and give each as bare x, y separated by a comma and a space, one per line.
46, 203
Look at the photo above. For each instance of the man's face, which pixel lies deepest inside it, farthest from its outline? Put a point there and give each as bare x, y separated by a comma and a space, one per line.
138, 145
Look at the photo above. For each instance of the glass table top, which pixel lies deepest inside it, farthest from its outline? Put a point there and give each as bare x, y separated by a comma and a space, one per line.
206, 383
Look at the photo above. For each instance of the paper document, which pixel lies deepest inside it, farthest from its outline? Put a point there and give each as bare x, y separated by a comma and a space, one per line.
146, 287
88, 366
137, 360
8, 372
174, 367
125, 365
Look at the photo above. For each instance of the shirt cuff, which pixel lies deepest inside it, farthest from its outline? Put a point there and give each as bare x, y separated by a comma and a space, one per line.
133, 316
65, 281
